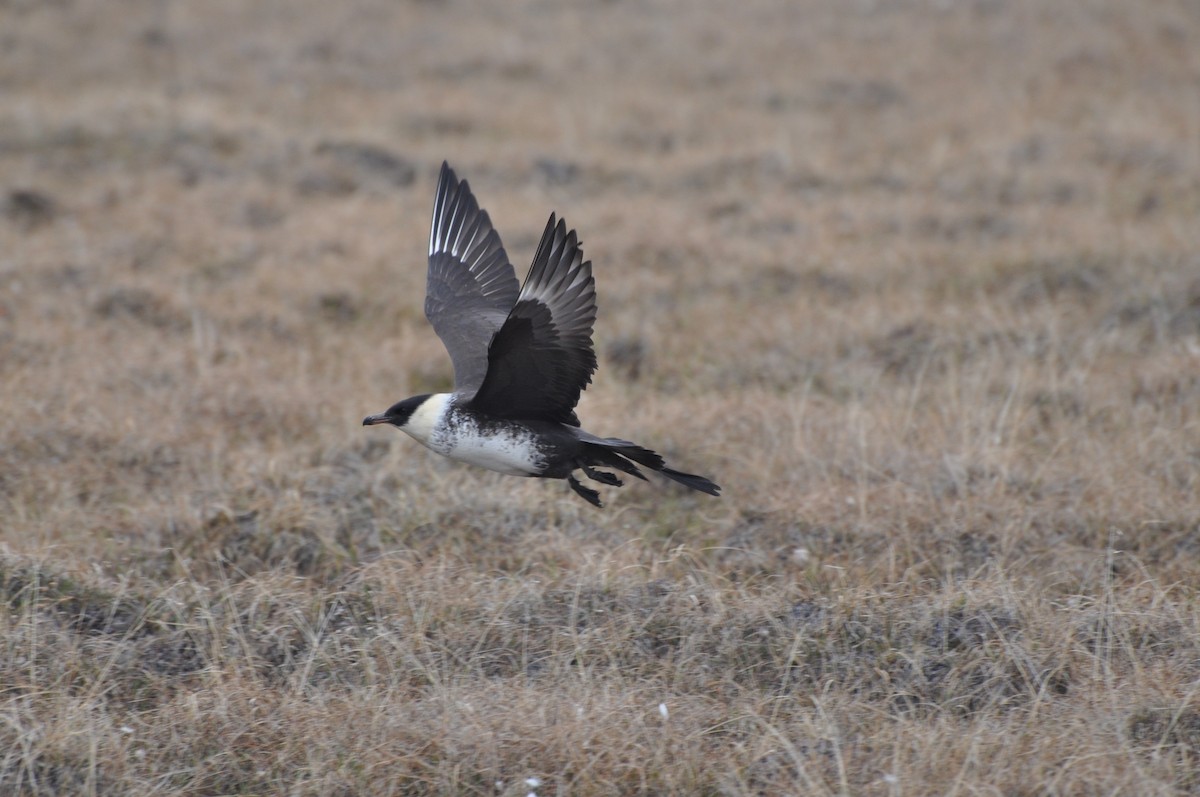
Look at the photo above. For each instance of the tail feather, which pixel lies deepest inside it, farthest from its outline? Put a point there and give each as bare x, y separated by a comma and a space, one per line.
692, 480
610, 459
604, 451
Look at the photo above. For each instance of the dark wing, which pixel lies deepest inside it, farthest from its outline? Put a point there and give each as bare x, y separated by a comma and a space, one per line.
471, 286
542, 358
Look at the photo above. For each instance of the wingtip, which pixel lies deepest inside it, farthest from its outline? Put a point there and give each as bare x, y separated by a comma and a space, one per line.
557, 235
446, 176
448, 181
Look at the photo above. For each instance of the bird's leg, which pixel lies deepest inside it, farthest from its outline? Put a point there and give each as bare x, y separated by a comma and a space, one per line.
601, 476
588, 494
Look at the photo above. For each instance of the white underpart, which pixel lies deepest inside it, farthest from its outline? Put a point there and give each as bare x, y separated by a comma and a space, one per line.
512, 451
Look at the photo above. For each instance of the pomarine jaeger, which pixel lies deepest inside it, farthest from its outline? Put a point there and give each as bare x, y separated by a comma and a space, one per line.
521, 355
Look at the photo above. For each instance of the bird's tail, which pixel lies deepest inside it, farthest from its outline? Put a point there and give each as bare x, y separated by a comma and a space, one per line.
621, 454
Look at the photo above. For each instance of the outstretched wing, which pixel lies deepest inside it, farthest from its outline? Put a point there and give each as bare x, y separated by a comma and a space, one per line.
471, 286
542, 358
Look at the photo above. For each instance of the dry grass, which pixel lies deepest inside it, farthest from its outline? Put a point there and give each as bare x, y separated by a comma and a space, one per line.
917, 282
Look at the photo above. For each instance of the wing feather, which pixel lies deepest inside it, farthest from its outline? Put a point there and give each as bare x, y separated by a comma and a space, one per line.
471, 286
542, 357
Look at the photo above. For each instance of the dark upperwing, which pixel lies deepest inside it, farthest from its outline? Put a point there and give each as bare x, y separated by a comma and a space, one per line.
542, 357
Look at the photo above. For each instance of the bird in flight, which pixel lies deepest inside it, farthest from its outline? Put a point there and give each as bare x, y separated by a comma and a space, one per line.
521, 356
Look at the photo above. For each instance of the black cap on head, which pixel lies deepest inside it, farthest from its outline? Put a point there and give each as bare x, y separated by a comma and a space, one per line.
399, 413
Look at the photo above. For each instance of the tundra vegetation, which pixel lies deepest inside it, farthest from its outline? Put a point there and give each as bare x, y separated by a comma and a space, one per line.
918, 283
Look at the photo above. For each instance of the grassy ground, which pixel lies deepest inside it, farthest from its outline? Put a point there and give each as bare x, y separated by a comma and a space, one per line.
918, 283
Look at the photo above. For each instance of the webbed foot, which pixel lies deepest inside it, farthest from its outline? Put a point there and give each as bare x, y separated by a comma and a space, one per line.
588, 494
602, 476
